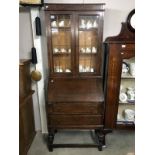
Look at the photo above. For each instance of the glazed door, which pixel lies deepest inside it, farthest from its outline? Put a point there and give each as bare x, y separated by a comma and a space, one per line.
61, 43
88, 43
126, 106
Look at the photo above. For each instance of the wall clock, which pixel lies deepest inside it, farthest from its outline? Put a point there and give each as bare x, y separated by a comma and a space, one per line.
131, 21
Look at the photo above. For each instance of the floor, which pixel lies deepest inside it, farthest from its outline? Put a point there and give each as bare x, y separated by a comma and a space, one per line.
117, 143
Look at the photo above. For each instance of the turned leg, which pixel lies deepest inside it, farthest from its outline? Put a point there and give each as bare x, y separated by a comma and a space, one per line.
101, 138
50, 140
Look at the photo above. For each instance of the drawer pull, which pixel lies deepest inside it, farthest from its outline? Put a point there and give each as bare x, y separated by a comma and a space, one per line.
46, 6
52, 81
123, 46
122, 53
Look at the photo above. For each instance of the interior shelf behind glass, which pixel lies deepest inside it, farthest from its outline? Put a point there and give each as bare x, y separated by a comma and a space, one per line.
61, 43
60, 21
88, 45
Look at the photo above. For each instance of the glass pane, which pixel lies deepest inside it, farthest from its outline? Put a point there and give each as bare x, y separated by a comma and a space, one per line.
126, 110
61, 43
88, 41
87, 51
88, 47
88, 22
60, 21
62, 64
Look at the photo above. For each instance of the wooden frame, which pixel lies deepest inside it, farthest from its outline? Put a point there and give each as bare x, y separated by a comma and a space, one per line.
26, 115
50, 47
99, 46
74, 7
117, 48
78, 95
75, 36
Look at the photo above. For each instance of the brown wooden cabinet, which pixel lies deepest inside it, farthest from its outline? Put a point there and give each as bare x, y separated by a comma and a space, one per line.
26, 117
120, 79
75, 97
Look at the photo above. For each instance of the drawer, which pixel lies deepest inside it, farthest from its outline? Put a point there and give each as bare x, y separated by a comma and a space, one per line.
127, 51
68, 120
127, 47
75, 108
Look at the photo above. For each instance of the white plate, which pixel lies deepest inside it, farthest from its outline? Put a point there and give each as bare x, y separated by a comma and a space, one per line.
123, 97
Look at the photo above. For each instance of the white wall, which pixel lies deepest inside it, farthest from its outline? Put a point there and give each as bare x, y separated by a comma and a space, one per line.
25, 35
116, 11
25, 45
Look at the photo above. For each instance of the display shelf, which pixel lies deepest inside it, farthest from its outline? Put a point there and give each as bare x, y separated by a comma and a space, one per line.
61, 54
87, 72
127, 103
63, 72
61, 28
127, 76
121, 122
88, 54
89, 29
126, 109
125, 114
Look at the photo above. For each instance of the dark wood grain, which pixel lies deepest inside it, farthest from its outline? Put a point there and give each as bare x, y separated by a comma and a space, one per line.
75, 90
75, 100
24, 78
78, 120
117, 48
75, 108
123, 126
74, 7
26, 116
78, 127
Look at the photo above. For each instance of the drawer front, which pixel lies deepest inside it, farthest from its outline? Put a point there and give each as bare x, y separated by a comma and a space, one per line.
60, 120
127, 46
127, 50
75, 108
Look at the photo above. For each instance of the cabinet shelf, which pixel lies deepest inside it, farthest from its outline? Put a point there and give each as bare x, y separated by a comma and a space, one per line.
90, 29
87, 72
127, 76
61, 54
62, 72
61, 28
62, 45
125, 122
127, 103
87, 53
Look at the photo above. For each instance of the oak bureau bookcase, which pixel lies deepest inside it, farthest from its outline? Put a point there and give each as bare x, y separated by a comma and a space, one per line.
75, 98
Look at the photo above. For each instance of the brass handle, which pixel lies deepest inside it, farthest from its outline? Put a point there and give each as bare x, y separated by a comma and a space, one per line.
123, 46
36, 75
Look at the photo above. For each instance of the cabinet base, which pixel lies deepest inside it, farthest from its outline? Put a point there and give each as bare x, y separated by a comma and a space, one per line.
99, 133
